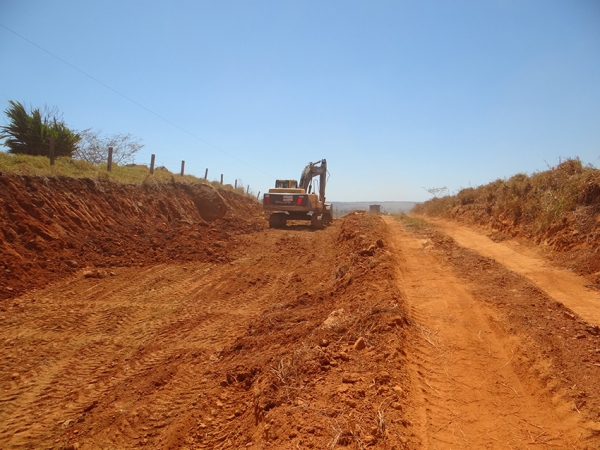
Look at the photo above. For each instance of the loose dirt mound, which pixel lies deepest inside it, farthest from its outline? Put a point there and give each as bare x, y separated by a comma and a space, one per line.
298, 342
51, 227
322, 367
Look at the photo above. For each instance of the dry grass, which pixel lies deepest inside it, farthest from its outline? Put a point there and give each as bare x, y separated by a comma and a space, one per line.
413, 223
67, 167
72, 168
536, 202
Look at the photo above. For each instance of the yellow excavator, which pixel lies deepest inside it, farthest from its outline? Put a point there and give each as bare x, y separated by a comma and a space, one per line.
290, 201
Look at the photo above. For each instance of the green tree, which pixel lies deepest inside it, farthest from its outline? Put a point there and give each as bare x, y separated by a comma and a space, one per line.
27, 132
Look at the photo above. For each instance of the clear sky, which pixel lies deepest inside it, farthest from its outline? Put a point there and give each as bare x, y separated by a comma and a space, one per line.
397, 95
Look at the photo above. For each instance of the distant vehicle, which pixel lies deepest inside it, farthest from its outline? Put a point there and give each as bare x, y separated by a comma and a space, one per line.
288, 201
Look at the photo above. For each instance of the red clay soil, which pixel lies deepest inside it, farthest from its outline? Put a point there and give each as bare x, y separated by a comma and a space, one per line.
298, 342
53, 227
170, 317
553, 352
574, 242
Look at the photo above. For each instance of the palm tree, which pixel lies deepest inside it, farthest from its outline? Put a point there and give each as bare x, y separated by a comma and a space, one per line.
28, 132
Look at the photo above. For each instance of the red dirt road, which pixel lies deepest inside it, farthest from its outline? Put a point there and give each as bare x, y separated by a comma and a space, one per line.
475, 376
562, 285
372, 333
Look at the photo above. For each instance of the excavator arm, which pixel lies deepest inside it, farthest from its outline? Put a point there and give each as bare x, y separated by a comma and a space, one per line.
312, 170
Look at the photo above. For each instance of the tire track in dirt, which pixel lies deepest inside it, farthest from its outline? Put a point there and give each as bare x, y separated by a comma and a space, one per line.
88, 352
562, 285
145, 336
467, 393
166, 411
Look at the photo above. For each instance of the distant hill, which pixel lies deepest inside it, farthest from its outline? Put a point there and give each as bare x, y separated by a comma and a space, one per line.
341, 208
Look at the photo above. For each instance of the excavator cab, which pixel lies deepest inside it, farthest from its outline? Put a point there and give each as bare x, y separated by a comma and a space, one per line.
286, 184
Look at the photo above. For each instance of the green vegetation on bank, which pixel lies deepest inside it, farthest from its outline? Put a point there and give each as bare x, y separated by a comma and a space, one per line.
67, 167
29, 132
28, 135
534, 202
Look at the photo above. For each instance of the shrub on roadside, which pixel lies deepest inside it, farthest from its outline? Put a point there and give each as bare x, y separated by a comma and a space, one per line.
536, 202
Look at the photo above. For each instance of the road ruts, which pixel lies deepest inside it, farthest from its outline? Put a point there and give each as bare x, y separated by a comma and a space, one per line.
466, 393
124, 358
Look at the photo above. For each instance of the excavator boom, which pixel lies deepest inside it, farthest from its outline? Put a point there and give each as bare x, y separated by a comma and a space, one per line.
312, 170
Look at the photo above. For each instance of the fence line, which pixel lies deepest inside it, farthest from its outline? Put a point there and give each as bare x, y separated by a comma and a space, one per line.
109, 163
51, 150
153, 159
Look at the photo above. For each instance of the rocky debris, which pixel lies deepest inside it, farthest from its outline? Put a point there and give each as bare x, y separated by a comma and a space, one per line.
95, 273
343, 388
343, 356
383, 377
360, 344
335, 319
398, 321
368, 251
351, 402
400, 393
351, 378
593, 330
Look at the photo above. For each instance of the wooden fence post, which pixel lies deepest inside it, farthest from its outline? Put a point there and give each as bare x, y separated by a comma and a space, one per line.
206, 174
258, 195
248, 190
221, 178
109, 163
235, 187
152, 164
182, 167
51, 151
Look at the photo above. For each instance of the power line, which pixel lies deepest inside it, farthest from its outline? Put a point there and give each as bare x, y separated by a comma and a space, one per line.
132, 101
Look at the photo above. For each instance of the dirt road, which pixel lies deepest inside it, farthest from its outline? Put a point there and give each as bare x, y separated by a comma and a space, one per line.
369, 334
560, 284
469, 394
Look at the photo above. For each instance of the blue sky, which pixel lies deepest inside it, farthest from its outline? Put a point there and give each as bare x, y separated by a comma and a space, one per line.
397, 95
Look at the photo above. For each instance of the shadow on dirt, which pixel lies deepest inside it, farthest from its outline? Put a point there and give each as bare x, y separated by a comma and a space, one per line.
298, 227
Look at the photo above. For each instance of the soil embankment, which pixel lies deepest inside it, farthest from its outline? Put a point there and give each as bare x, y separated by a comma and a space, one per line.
558, 209
54, 227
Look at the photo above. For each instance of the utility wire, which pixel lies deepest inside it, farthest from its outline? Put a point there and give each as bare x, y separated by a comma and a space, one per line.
132, 101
